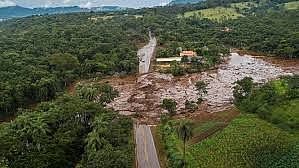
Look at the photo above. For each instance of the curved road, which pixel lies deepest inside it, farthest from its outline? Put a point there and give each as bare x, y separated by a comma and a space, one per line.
145, 55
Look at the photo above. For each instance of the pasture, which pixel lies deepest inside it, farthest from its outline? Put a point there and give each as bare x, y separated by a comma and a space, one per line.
220, 14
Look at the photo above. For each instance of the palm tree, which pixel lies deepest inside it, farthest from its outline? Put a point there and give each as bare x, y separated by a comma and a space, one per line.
185, 132
94, 142
95, 139
87, 91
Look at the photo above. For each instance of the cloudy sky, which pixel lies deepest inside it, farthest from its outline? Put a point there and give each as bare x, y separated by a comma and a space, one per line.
83, 3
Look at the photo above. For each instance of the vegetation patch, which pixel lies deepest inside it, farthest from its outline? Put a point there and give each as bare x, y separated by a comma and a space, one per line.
244, 5
286, 115
277, 101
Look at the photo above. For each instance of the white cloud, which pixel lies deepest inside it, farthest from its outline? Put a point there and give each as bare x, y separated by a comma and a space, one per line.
66, 1
163, 3
4, 3
87, 5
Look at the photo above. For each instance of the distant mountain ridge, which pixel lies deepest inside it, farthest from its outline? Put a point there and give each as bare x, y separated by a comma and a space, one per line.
182, 2
18, 11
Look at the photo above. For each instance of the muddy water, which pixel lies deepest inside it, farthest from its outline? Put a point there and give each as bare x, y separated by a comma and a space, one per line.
143, 95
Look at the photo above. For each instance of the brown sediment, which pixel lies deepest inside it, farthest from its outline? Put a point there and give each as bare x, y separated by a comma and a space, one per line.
142, 96
287, 64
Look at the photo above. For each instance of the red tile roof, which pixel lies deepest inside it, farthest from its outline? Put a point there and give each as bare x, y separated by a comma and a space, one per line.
188, 53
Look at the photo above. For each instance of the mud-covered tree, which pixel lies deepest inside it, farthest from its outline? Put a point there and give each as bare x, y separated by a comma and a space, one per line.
201, 88
169, 105
243, 89
191, 106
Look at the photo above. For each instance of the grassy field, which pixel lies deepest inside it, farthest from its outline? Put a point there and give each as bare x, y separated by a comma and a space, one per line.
217, 14
292, 5
221, 13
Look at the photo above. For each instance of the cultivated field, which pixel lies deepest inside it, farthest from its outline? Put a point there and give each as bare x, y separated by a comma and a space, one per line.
247, 142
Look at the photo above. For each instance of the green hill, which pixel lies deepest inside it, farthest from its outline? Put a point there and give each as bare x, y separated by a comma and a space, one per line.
181, 2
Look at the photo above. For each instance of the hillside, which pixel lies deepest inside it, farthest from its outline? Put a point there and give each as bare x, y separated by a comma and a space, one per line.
182, 2
18, 11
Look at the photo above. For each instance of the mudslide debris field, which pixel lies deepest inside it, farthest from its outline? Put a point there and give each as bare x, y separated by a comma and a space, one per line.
142, 95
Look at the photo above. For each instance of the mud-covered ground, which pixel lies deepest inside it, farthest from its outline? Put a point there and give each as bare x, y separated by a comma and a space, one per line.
142, 96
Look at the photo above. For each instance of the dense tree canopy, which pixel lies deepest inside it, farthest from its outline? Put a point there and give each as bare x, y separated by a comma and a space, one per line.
56, 134
41, 55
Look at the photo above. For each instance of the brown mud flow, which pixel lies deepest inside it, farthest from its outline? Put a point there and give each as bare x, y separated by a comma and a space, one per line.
142, 96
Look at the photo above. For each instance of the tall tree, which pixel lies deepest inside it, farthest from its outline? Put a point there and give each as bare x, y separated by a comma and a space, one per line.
201, 88
185, 132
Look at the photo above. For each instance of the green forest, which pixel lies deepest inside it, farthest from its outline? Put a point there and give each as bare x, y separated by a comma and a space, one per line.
45, 127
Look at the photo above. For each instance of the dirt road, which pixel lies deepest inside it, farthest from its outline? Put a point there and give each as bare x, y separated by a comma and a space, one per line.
145, 55
145, 148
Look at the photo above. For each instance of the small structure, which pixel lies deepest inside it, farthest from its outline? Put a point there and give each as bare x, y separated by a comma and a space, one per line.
226, 29
188, 54
168, 60
164, 63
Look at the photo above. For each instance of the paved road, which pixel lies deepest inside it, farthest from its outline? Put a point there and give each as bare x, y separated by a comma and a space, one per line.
145, 54
146, 150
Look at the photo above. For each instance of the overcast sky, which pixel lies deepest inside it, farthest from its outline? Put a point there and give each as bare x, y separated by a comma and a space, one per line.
83, 3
